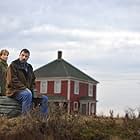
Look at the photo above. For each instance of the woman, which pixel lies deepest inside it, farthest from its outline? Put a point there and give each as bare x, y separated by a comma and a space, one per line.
3, 68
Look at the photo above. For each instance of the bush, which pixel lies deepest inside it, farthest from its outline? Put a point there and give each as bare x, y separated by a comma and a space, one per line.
59, 125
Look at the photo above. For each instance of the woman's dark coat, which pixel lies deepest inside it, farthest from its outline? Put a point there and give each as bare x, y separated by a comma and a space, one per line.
3, 69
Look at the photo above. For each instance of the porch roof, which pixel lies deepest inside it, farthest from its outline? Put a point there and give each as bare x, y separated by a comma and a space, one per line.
57, 98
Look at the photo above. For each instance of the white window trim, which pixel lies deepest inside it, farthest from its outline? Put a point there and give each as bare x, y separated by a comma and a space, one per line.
43, 86
76, 87
75, 106
90, 90
57, 86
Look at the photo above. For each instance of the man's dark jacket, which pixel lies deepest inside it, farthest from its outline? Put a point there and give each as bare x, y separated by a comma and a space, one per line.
19, 78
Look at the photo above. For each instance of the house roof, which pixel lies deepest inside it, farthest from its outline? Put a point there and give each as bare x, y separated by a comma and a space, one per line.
61, 68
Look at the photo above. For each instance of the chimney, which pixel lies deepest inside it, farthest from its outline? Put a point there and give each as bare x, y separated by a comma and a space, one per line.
59, 54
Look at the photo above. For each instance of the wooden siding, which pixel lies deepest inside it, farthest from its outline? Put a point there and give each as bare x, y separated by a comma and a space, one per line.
83, 89
50, 90
37, 86
64, 88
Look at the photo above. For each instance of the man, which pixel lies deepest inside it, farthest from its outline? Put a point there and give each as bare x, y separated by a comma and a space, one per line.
21, 82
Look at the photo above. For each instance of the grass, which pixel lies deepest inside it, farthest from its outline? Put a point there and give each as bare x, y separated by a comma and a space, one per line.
59, 125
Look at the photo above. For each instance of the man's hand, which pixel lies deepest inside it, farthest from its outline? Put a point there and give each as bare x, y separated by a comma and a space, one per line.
37, 94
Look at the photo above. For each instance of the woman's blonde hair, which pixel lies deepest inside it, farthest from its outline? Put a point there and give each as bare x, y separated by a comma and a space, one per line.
3, 52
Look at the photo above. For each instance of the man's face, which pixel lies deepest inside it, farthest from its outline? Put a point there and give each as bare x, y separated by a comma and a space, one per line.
23, 57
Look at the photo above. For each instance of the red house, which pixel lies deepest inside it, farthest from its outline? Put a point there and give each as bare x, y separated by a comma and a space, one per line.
66, 85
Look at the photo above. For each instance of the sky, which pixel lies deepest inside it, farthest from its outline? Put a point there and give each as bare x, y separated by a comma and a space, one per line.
99, 37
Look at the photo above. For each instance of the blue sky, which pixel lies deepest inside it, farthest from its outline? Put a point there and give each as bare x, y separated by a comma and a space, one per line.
100, 37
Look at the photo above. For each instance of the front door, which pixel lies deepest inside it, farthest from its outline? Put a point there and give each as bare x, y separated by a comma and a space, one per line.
84, 109
92, 109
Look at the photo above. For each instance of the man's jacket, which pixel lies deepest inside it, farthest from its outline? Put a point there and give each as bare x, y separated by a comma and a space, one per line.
19, 78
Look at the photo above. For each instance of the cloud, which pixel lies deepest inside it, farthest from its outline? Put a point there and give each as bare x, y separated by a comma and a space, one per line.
90, 34
109, 50
9, 24
99, 37
100, 41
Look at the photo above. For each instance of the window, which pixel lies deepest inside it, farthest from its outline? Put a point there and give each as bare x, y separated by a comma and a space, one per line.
75, 106
90, 89
76, 87
57, 86
43, 86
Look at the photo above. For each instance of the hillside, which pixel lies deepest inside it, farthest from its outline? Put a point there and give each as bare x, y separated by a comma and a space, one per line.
61, 126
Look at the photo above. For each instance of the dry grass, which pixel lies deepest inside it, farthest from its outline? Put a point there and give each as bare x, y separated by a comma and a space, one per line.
62, 126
